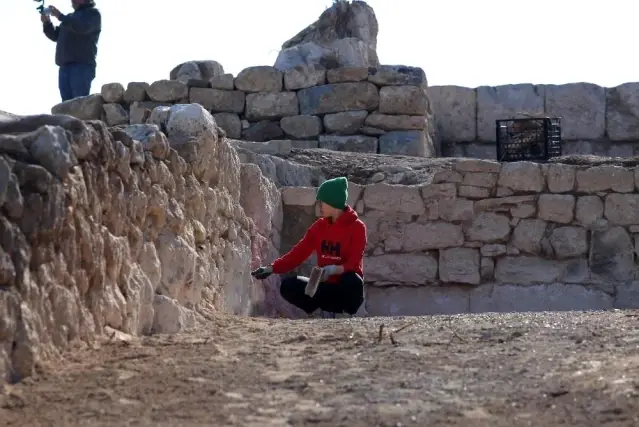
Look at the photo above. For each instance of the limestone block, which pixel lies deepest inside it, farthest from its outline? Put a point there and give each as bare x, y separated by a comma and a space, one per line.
217, 100
561, 177
506, 102
83, 107
338, 97
260, 78
393, 198
526, 270
431, 235
167, 91
528, 234
622, 209
589, 210
352, 143
389, 122
136, 91
521, 176
557, 297
301, 127
408, 100
112, 93
488, 227
222, 82
347, 74
300, 77
473, 165
582, 108
622, 112
416, 301
611, 255
231, 124
606, 177
459, 265
556, 207
397, 75
271, 105
569, 242
406, 269
407, 143
455, 109
345, 123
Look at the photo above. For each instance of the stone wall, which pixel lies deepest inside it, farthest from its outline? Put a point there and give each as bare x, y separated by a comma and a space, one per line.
381, 109
595, 120
126, 229
484, 236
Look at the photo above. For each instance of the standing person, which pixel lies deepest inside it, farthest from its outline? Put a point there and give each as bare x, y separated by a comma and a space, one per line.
339, 239
76, 46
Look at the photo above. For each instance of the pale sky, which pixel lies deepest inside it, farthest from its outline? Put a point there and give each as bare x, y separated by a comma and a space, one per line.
457, 42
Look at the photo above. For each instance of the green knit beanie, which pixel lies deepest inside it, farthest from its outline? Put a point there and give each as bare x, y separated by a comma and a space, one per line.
334, 192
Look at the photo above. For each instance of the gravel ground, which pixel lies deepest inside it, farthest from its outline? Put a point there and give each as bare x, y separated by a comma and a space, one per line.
535, 369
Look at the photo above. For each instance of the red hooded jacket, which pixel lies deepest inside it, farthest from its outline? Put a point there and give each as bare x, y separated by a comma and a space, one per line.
340, 243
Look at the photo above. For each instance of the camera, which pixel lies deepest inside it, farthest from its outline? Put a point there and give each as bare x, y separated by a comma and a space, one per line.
43, 10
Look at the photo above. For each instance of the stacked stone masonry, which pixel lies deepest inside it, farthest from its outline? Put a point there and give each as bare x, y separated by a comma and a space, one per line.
595, 120
484, 236
381, 109
126, 230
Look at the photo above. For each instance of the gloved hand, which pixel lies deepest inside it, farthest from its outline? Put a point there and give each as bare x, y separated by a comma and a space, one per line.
328, 270
262, 272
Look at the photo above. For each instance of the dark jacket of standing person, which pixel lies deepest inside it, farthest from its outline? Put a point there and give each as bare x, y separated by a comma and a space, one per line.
77, 35
76, 46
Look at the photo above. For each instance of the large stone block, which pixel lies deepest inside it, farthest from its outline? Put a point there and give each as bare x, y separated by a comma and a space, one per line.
622, 209
389, 122
261, 78
455, 109
112, 93
338, 97
136, 91
347, 74
301, 77
612, 255
582, 108
404, 269
301, 127
557, 208
83, 107
352, 143
167, 91
409, 100
346, 123
231, 124
432, 235
489, 227
459, 265
505, 102
521, 176
556, 297
407, 142
217, 100
416, 301
271, 105
622, 112
606, 177
397, 75
393, 198
527, 270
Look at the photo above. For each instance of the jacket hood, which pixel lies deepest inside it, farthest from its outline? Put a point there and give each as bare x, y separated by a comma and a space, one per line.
347, 217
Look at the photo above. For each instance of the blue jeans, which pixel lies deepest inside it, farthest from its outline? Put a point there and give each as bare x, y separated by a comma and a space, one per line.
74, 80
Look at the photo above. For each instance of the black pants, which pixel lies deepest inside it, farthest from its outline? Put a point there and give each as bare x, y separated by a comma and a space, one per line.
343, 297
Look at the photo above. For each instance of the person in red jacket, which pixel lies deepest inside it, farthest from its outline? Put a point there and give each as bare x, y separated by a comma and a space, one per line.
339, 239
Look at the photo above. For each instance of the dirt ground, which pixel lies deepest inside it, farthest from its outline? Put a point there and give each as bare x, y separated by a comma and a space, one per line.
545, 369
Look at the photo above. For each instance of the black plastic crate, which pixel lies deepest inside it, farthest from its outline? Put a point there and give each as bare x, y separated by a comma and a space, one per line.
532, 139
